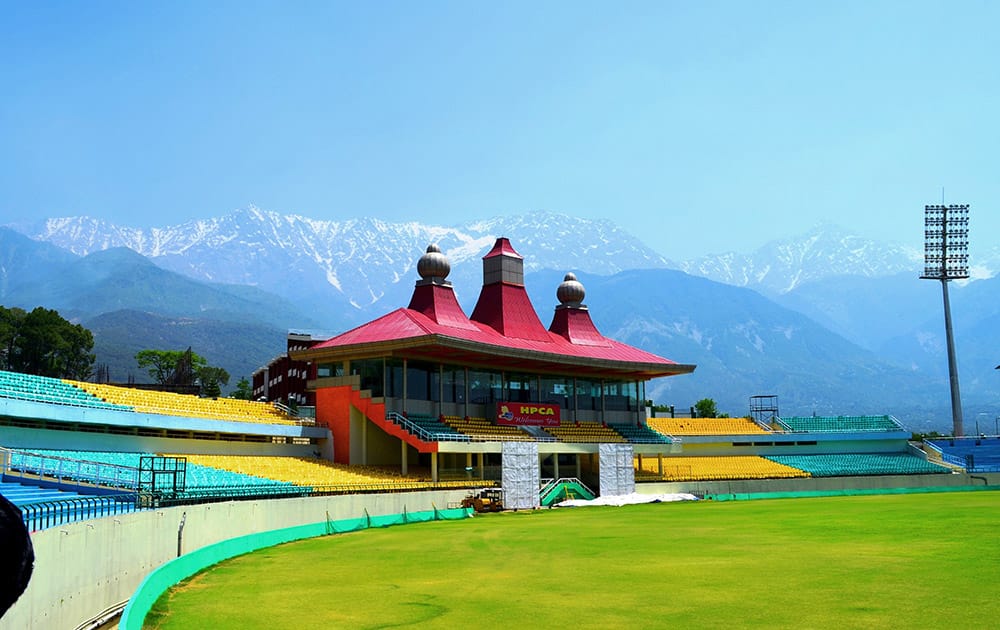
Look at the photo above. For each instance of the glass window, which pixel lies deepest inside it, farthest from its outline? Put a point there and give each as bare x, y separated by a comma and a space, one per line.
588, 394
621, 396
484, 386
370, 371
394, 378
557, 391
422, 381
454, 384
521, 388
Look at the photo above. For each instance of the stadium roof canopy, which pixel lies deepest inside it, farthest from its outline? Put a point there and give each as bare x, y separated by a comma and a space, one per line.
503, 332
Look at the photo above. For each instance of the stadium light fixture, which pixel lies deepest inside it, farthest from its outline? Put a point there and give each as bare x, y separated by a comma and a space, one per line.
946, 257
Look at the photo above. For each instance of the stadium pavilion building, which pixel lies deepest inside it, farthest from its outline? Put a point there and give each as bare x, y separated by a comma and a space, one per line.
428, 384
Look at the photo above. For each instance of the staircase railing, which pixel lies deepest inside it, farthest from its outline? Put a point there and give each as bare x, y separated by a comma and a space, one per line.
548, 486
424, 434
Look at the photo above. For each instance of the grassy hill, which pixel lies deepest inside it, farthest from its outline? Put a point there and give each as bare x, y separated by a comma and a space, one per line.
240, 348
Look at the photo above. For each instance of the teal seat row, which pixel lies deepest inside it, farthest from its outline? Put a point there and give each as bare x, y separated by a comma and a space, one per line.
858, 464
840, 423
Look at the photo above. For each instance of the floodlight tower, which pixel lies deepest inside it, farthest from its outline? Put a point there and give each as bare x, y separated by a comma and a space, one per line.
946, 257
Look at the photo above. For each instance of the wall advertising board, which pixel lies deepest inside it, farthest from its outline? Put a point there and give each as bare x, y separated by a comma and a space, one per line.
530, 414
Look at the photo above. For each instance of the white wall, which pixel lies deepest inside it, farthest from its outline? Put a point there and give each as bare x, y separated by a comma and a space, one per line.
84, 568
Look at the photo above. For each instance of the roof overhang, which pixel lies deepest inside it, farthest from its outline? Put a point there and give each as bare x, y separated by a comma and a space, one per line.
447, 349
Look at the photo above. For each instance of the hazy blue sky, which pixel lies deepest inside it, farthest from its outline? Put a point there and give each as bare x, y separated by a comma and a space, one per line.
699, 126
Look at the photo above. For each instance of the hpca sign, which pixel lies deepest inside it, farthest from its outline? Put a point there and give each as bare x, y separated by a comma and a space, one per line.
530, 414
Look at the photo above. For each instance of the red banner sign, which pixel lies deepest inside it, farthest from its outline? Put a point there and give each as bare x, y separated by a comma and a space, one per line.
532, 414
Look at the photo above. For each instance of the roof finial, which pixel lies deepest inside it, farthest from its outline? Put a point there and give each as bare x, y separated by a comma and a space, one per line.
433, 264
571, 291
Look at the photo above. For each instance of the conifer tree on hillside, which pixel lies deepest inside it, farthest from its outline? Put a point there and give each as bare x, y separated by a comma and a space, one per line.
43, 343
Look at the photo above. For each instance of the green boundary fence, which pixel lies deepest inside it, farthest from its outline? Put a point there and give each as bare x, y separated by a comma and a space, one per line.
846, 492
172, 572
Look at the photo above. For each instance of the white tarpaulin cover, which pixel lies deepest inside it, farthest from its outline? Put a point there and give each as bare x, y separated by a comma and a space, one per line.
520, 475
616, 471
628, 499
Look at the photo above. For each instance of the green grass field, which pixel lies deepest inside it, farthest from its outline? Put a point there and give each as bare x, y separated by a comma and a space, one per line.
893, 561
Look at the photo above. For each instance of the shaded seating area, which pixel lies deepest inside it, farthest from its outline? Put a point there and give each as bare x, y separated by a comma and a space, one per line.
855, 464
107, 469
838, 423
483, 429
319, 474
590, 432
705, 426
185, 405
640, 434
50, 390
714, 468
974, 454
79, 466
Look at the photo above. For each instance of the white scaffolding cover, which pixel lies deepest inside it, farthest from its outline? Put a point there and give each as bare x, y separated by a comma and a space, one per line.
617, 473
520, 476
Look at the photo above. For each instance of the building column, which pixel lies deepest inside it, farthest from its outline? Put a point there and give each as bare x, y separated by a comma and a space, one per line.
576, 405
642, 400
403, 464
639, 403
440, 402
555, 465
364, 442
434, 467
659, 463
603, 409
385, 382
405, 388
579, 469
482, 465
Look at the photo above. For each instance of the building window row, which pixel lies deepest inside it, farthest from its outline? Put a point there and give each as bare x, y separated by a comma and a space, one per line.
425, 381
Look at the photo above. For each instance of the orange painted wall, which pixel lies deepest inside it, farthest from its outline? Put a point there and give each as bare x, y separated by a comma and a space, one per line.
333, 408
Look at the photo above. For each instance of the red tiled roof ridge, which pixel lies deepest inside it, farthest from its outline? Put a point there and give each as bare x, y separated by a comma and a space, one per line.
504, 323
503, 246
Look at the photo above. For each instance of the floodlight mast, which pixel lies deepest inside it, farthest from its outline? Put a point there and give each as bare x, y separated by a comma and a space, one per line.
946, 257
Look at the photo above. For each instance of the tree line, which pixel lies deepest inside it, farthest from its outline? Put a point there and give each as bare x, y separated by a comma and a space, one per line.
185, 368
43, 343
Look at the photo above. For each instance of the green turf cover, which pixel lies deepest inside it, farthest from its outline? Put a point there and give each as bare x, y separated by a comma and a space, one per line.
170, 573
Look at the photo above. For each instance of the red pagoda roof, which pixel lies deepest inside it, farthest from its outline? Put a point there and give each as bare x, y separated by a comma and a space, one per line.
501, 247
504, 332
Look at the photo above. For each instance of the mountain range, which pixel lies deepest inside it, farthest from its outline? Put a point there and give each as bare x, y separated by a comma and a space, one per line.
829, 321
347, 270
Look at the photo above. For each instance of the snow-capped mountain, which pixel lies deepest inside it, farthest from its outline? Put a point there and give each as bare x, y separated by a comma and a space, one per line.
356, 263
337, 274
350, 264
825, 251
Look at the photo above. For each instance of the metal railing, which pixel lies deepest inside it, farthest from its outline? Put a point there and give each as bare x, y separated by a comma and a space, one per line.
549, 485
74, 470
424, 434
47, 514
49, 399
